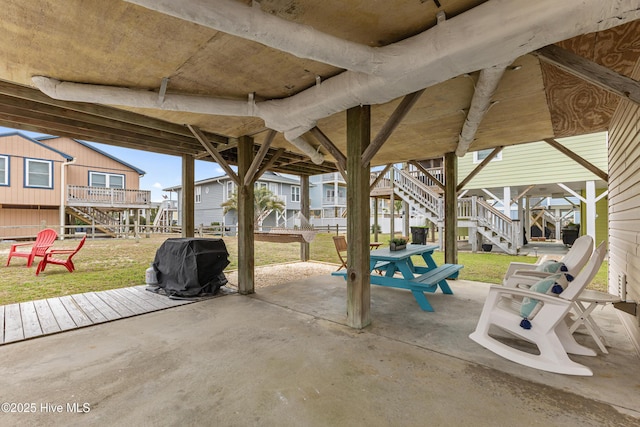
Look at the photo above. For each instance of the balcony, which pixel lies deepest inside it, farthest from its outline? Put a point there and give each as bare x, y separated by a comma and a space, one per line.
333, 177
107, 197
334, 201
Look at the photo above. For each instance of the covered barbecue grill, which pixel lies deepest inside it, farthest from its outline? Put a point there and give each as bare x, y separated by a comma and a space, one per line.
189, 267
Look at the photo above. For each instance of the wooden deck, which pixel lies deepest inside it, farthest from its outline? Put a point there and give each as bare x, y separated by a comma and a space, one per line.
49, 316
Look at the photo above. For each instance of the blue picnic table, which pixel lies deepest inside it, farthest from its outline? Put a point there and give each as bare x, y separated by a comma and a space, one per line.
417, 279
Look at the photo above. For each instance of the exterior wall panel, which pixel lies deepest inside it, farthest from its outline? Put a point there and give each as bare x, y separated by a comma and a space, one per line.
18, 149
624, 202
27, 222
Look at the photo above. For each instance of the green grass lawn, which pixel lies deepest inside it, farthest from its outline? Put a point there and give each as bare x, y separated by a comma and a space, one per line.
114, 263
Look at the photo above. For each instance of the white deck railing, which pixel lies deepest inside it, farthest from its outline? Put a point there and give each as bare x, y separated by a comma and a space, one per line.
97, 196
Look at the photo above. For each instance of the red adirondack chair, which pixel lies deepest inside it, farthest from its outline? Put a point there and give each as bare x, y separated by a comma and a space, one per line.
49, 257
44, 240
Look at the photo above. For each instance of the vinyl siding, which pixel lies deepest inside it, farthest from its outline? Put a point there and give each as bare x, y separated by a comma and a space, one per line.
209, 209
18, 149
624, 198
538, 163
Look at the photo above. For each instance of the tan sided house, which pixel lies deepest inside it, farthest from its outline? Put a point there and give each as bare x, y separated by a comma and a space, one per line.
58, 181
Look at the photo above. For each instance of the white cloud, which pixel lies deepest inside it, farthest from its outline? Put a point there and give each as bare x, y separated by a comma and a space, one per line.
157, 185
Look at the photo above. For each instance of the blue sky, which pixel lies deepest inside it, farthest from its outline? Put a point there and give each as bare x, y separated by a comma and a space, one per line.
162, 171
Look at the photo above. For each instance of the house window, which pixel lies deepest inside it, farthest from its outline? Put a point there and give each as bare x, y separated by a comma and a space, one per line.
230, 190
39, 173
295, 193
198, 194
4, 170
260, 185
480, 155
106, 180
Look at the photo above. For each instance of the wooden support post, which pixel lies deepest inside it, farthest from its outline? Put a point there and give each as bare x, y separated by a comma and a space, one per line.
450, 208
188, 200
358, 285
246, 212
305, 211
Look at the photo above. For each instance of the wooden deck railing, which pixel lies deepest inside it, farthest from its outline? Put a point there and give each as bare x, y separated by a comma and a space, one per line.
97, 196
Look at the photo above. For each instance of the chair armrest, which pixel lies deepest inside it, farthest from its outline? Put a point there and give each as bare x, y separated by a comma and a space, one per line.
532, 273
516, 266
545, 298
522, 281
15, 245
591, 295
60, 251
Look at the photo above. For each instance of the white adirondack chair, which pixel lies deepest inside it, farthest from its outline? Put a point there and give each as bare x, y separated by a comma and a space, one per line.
549, 330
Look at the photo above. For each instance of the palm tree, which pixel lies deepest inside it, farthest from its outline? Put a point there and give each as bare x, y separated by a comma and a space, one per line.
264, 202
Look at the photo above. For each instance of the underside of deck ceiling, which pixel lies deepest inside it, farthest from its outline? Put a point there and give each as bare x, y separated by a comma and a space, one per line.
135, 73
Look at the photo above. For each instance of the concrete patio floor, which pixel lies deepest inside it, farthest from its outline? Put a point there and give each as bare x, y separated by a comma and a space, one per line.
284, 357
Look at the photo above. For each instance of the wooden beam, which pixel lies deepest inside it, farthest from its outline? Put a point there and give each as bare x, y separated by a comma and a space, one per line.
257, 160
450, 208
38, 126
55, 121
380, 176
246, 220
428, 174
358, 274
390, 125
214, 153
328, 145
591, 72
188, 202
519, 196
343, 172
220, 147
478, 168
269, 163
576, 158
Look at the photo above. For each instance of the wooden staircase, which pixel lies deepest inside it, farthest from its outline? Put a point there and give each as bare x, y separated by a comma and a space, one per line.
95, 218
486, 224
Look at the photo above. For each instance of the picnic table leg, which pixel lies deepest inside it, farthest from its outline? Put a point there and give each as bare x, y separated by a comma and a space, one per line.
431, 264
445, 287
391, 269
422, 300
405, 269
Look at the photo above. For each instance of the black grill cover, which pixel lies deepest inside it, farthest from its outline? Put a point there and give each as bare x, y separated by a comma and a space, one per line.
188, 267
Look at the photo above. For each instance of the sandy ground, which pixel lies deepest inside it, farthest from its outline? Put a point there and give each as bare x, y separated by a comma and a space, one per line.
282, 273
